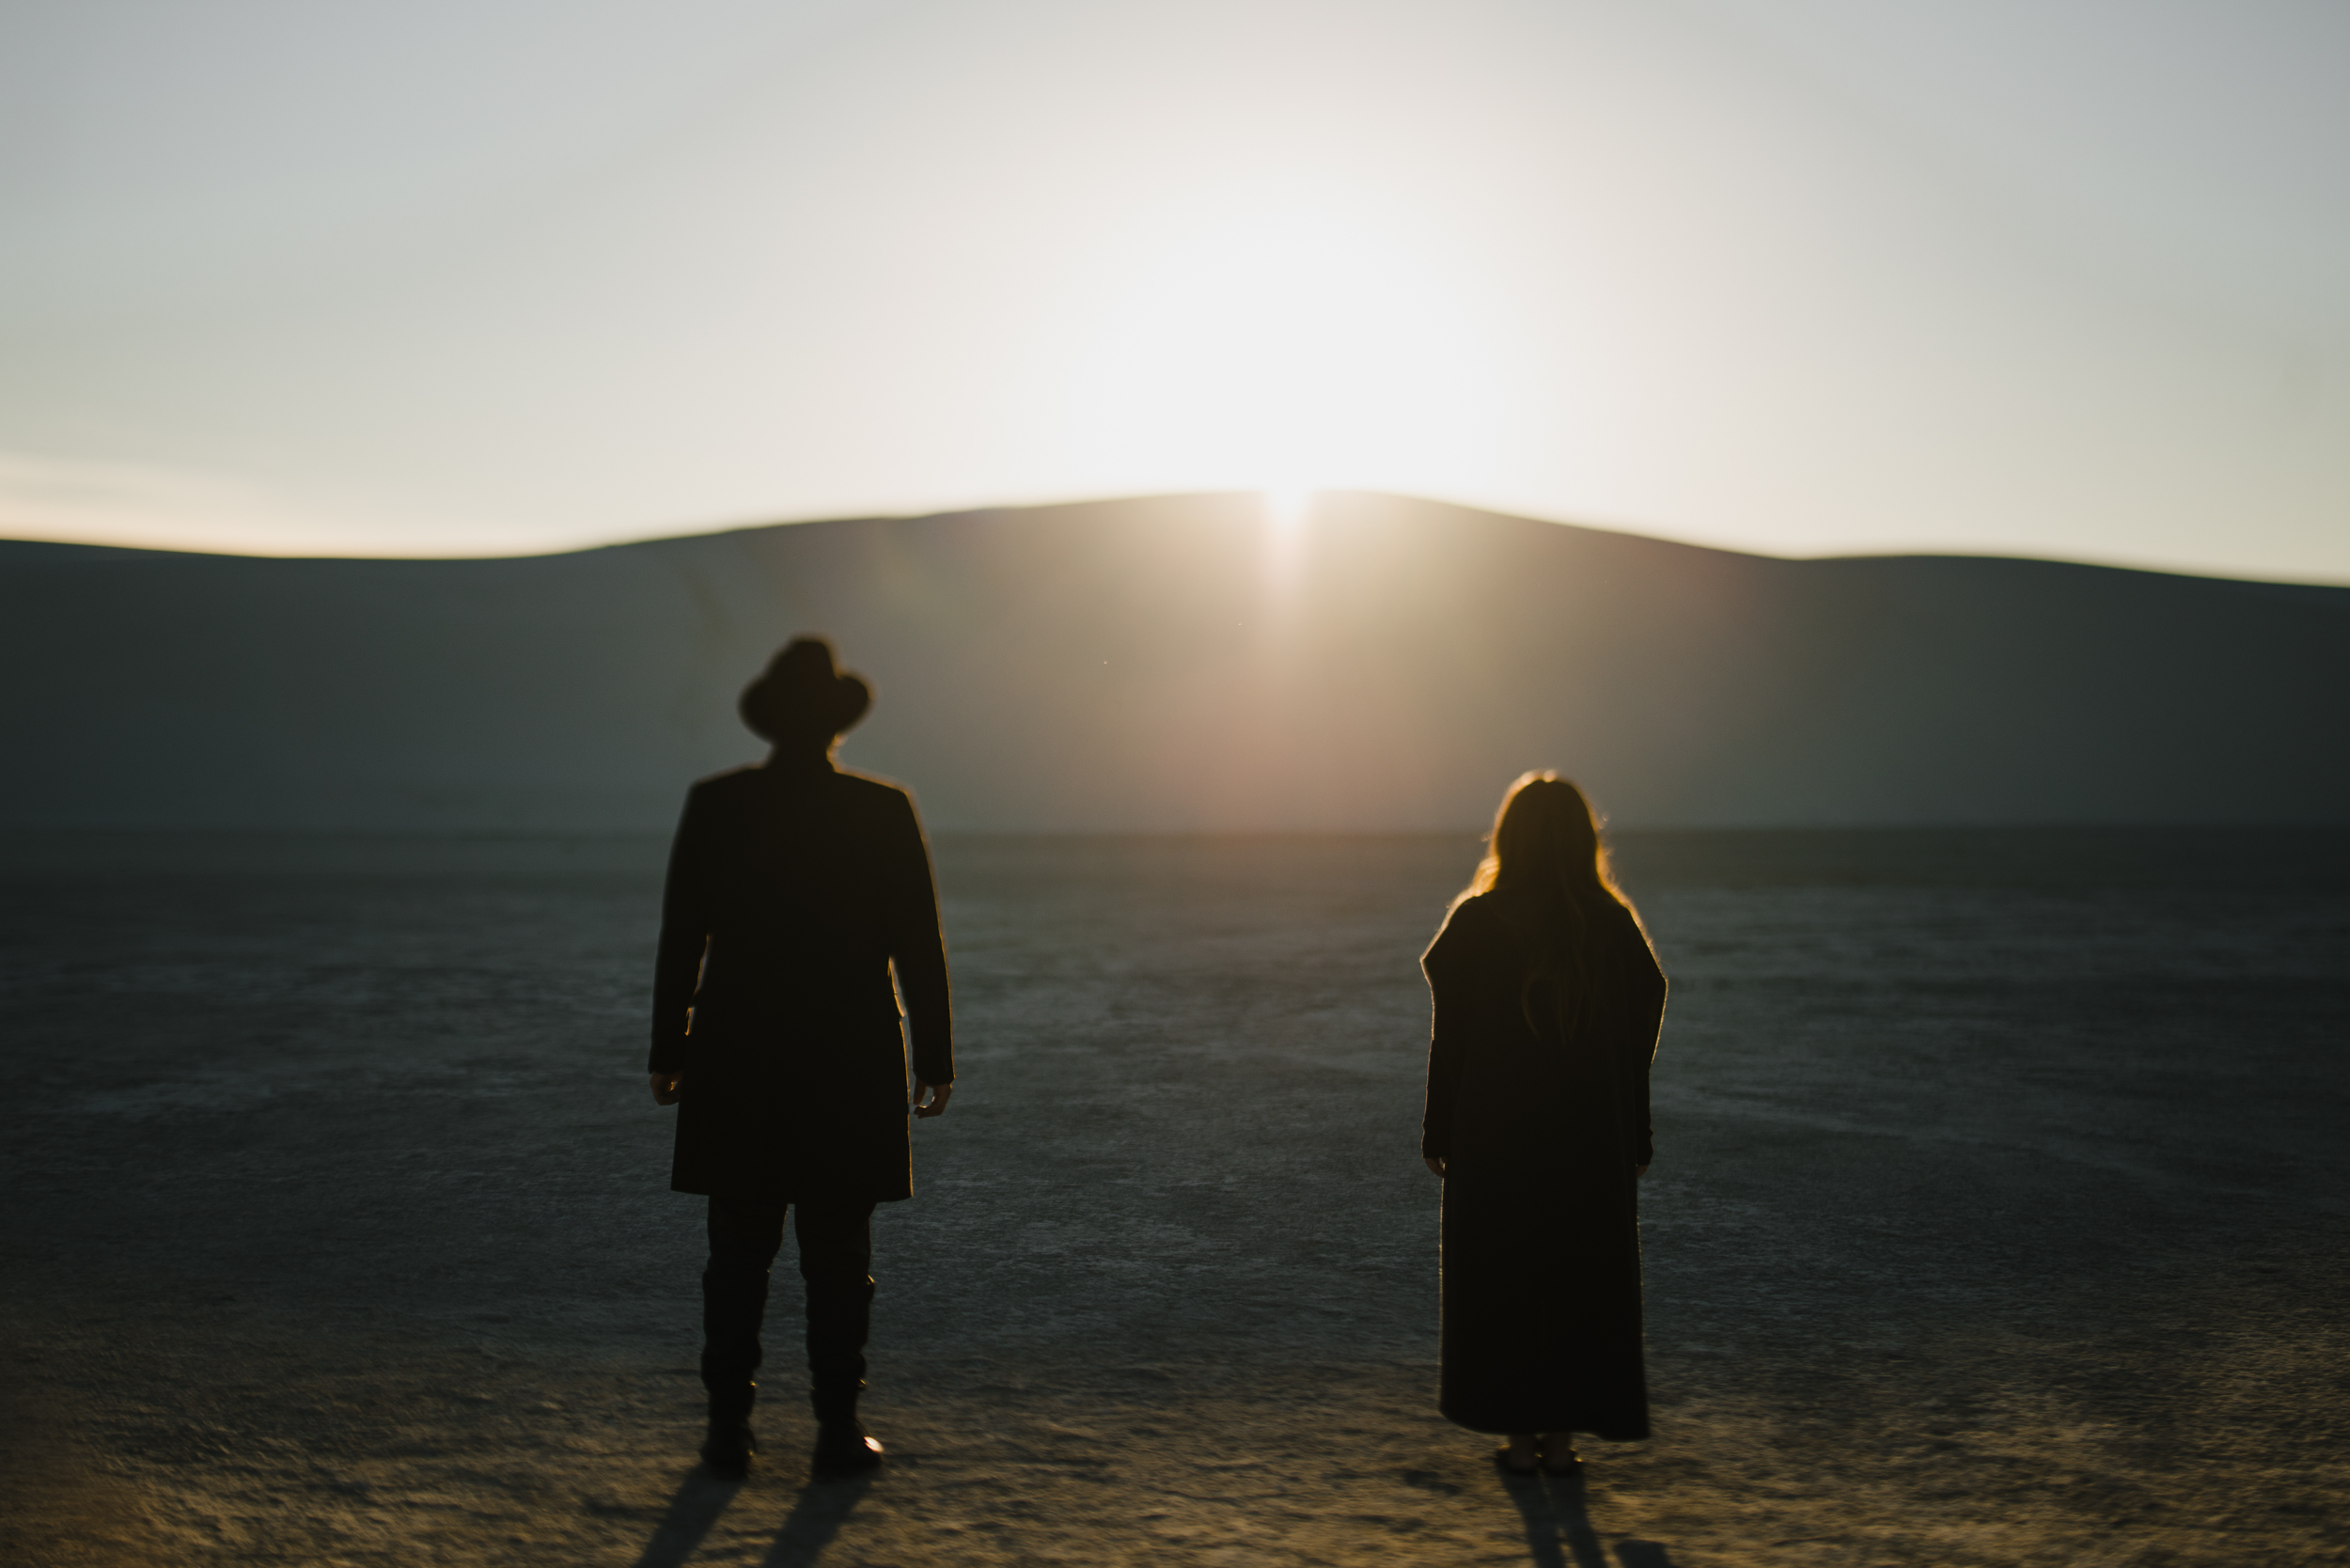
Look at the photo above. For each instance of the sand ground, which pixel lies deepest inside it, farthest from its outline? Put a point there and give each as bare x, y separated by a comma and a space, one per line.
1998, 1218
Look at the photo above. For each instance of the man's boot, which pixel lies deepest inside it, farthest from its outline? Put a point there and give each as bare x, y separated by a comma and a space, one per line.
734, 1303
838, 1314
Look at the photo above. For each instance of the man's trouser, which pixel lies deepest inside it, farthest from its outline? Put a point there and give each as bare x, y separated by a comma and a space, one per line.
836, 1258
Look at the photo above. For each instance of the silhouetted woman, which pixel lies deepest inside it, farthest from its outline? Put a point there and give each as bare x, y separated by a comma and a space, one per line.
1547, 1002
794, 891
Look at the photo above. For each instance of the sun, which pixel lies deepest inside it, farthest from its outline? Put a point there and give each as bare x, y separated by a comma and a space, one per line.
1283, 338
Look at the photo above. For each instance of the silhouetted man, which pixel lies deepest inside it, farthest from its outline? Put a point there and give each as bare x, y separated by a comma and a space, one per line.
794, 892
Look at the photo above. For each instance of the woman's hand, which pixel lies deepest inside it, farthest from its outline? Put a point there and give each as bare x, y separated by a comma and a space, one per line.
665, 1087
930, 1099
1435, 1162
1638, 1172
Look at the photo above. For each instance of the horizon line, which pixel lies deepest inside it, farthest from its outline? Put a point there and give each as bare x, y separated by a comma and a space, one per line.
590, 545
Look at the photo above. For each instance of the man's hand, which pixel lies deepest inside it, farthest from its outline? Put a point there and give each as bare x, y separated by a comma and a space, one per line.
1638, 1172
665, 1087
1435, 1162
930, 1099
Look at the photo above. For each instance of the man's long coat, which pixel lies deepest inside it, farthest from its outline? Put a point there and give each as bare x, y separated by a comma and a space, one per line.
1540, 1123
794, 891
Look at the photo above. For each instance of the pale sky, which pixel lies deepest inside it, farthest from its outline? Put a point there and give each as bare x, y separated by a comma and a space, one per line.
2052, 278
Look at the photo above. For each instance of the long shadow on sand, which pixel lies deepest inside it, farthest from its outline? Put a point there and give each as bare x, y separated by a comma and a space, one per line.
1559, 1530
694, 1508
816, 1517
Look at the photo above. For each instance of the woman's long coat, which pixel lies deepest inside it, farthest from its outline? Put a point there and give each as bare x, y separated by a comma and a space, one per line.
1539, 1130
793, 891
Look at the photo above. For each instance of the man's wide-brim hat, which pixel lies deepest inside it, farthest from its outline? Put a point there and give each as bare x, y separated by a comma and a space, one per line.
802, 696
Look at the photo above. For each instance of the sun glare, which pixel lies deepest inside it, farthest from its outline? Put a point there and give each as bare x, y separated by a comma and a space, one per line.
1287, 510
1285, 507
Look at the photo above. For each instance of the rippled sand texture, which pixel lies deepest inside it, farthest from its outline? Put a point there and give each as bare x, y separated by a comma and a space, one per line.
1998, 1216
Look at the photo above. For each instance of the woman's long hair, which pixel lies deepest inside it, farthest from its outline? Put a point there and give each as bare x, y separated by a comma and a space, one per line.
1545, 853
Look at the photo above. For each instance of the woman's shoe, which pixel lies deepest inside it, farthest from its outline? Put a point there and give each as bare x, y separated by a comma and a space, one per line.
1558, 1456
1520, 1456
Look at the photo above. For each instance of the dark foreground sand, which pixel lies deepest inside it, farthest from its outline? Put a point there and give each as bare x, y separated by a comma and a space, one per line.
1998, 1218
